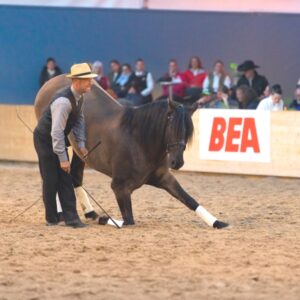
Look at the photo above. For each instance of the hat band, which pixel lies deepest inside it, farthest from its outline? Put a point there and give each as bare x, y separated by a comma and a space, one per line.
82, 74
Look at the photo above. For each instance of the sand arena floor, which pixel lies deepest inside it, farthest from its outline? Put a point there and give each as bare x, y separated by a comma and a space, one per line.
168, 254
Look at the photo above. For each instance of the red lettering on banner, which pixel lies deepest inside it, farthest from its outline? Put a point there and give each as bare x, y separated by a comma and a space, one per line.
249, 127
232, 133
247, 135
217, 134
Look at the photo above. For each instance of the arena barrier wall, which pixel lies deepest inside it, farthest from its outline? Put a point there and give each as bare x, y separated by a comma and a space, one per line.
17, 144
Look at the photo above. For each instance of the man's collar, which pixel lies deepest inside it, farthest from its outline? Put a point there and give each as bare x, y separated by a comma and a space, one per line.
75, 94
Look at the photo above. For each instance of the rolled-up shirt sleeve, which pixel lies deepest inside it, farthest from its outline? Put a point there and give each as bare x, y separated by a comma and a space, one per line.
60, 110
79, 130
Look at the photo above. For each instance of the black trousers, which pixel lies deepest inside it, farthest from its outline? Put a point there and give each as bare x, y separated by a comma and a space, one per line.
55, 180
77, 167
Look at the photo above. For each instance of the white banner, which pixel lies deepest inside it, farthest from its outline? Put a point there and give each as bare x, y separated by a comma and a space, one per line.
279, 6
234, 135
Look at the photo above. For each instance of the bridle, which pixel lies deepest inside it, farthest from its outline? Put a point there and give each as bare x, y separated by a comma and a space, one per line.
181, 143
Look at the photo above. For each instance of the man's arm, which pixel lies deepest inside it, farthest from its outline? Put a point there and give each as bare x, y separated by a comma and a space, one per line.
150, 84
60, 110
79, 131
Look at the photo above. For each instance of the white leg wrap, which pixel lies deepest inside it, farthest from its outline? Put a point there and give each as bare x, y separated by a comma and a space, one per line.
118, 222
58, 205
83, 199
208, 218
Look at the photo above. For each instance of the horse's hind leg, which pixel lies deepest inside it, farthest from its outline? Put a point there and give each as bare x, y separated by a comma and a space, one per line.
167, 181
123, 196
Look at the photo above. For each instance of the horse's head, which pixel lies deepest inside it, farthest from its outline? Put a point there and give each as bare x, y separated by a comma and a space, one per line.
178, 133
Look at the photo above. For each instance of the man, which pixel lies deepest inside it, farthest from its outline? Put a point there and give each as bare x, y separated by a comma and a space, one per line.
295, 105
142, 85
62, 115
274, 102
49, 71
252, 79
177, 79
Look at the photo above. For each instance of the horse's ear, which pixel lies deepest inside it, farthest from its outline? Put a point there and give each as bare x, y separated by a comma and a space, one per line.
171, 105
192, 108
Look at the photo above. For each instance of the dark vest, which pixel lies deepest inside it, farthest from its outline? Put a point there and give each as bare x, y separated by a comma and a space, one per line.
140, 82
45, 122
211, 82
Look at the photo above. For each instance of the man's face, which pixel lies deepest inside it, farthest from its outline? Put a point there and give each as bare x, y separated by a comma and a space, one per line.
114, 67
218, 68
51, 65
82, 85
172, 67
276, 98
140, 66
239, 95
249, 74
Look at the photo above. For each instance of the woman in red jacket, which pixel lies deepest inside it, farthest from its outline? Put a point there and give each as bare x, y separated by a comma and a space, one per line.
194, 77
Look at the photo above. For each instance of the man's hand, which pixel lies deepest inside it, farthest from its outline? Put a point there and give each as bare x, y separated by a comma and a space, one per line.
84, 151
65, 165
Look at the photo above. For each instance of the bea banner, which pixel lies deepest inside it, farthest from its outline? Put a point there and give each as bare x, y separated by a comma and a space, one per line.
234, 135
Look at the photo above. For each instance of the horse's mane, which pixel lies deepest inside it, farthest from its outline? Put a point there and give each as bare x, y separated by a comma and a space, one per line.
148, 122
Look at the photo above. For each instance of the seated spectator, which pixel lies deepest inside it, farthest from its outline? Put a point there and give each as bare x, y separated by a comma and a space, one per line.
274, 102
213, 83
124, 81
115, 72
267, 91
246, 97
295, 104
216, 79
49, 71
252, 79
194, 77
177, 79
102, 80
141, 86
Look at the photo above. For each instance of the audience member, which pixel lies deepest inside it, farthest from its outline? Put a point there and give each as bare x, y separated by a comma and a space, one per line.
295, 104
194, 76
124, 81
213, 83
251, 78
246, 97
177, 79
274, 102
49, 71
115, 72
216, 79
102, 80
142, 85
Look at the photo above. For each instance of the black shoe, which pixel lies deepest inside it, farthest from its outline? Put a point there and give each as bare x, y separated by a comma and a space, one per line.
76, 224
51, 223
91, 215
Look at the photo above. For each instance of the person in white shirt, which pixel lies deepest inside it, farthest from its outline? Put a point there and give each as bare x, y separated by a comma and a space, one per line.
142, 85
274, 102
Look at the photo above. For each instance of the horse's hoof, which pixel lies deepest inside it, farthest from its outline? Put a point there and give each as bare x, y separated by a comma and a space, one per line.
220, 224
126, 223
102, 220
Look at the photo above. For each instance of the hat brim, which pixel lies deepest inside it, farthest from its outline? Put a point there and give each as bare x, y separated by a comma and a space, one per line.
92, 75
244, 69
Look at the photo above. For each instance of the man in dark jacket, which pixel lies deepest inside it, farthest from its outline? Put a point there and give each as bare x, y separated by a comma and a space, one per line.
49, 71
252, 79
63, 115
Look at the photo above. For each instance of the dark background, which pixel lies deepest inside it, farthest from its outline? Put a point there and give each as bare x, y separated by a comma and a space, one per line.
28, 35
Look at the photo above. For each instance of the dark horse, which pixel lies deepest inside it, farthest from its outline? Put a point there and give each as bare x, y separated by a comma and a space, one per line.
138, 146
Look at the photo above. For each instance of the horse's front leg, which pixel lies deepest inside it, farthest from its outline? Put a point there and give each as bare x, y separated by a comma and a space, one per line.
165, 180
123, 196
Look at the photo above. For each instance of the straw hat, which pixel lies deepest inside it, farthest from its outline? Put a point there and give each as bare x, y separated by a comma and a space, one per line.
81, 71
